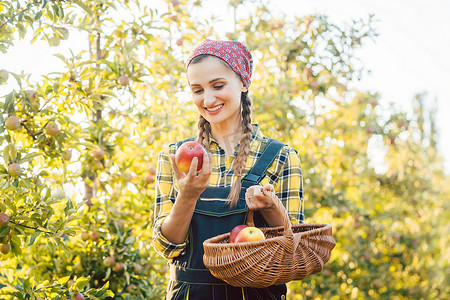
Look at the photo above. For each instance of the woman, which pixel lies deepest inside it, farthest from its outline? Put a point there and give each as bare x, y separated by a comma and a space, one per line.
239, 163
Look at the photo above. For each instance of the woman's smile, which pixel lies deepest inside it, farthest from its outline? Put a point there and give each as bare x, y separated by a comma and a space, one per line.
214, 109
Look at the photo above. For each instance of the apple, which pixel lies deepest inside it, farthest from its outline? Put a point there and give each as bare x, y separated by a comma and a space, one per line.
185, 154
4, 219
5, 248
4, 75
249, 234
152, 170
12, 123
14, 169
119, 267
84, 236
77, 296
31, 94
137, 268
109, 261
98, 154
123, 80
94, 235
67, 154
234, 232
52, 129
149, 179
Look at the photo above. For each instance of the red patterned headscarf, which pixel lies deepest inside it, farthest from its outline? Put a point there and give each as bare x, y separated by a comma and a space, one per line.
234, 53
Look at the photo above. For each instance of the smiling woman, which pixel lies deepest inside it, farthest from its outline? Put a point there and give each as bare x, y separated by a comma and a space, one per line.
240, 162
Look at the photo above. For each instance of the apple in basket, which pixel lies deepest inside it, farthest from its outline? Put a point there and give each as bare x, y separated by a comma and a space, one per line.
235, 232
249, 234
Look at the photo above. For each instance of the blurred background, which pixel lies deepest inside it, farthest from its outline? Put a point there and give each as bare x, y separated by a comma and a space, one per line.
359, 88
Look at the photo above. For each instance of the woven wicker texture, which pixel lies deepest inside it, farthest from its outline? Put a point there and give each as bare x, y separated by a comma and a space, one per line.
289, 252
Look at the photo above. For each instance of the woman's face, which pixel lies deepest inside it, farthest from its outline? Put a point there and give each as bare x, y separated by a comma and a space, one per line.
216, 91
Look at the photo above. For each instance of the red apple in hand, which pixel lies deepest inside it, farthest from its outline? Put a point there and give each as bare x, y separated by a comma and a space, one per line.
185, 154
235, 232
250, 234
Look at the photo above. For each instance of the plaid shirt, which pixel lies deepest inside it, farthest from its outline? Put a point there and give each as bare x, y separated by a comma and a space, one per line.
284, 174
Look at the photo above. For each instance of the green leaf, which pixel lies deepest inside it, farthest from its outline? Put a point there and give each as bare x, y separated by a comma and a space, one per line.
81, 283
63, 280
4, 231
38, 15
84, 6
33, 237
29, 157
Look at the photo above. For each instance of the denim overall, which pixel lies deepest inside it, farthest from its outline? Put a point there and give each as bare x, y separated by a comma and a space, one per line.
189, 278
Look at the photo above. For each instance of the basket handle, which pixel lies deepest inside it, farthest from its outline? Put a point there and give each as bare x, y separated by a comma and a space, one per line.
286, 221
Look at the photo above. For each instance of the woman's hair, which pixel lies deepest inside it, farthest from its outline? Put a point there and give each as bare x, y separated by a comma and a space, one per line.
204, 131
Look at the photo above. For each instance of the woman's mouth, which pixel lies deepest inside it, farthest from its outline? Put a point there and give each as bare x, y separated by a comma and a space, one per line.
214, 109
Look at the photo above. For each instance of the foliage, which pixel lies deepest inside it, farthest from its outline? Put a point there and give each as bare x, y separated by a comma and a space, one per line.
71, 207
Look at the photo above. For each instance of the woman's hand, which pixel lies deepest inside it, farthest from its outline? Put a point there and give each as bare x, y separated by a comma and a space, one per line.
257, 200
191, 185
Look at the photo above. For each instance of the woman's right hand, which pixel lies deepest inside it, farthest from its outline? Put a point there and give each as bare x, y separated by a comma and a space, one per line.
191, 185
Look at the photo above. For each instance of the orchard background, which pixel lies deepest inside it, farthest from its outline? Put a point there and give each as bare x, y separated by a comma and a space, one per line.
79, 208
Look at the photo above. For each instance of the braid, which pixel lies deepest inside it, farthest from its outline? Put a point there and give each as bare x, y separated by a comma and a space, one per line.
244, 149
204, 129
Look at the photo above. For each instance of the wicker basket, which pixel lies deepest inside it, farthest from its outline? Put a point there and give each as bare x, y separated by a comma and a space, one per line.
289, 252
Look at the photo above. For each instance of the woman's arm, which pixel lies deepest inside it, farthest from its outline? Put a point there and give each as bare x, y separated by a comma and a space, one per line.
176, 225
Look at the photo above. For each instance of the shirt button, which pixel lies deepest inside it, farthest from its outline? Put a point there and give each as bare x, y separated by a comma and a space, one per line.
283, 297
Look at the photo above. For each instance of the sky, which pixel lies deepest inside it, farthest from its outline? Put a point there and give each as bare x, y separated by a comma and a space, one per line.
409, 56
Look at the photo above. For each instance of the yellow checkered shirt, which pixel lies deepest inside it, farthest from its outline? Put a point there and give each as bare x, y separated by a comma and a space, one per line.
284, 174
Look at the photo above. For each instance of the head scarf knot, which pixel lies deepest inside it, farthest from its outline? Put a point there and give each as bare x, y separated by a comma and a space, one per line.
234, 53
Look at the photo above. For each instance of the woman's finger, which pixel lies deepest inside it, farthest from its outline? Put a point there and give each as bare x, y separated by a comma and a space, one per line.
207, 164
193, 168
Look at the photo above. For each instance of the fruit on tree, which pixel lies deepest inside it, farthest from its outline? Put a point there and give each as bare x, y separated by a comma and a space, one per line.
175, 3
94, 235
109, 261
137, 268
5, 248
4, 219
119, 267
179, 42
31, 94
52, 129
12, 123
77, 296
67, 154
123, 80
250, 234
149, 179
84, 236
14, 169
152, 170
4, 75
98, 154
235, 231
185, 154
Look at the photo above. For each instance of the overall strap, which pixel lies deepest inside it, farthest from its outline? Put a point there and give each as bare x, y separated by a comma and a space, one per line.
258, 171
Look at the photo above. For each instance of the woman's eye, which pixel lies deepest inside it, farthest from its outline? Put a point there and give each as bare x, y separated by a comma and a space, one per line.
218, 87
197, 91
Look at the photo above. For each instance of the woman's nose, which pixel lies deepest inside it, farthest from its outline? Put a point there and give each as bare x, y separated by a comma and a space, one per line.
209, 97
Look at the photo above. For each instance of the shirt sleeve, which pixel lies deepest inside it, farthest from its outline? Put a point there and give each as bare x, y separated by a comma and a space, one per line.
165, 194
286, 176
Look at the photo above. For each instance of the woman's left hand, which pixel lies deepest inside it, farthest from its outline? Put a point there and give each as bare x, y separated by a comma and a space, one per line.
256, 199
